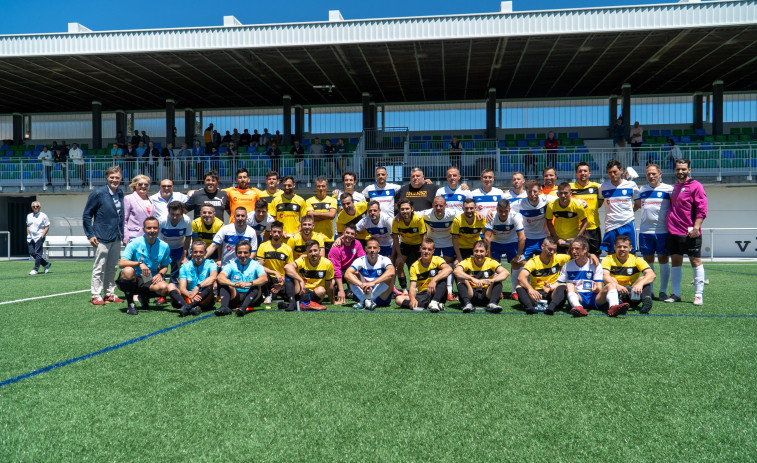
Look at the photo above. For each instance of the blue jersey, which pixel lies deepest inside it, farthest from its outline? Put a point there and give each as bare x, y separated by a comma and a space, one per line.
243, 273
194, 274
154, 255
384, 196
454, 198
370, 272
382, 230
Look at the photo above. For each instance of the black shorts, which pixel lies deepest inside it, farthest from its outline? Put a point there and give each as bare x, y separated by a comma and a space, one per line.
682, 244
423, 298
142, 285
479, 297
237, 300
594, 237
466, 253
412, 252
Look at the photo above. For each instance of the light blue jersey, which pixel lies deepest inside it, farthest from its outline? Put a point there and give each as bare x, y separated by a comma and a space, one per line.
195, 275
154, 255
243, 273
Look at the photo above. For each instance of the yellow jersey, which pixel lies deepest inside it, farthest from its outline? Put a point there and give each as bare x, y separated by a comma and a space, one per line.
314, 276
242, 198
545, 274
411, 233
343, 218
275, 258
625, 273
288, 212
567, 220
484, 272
297, 242
466, 233
268, 197
590, 194
203, 233
422, 275
325, 227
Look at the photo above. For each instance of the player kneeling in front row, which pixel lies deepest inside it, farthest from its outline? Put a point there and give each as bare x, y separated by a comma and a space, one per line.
240, 280
313, 276
144, 265
371, 277
538, 279
196, 279
428, 281
479, 280
631, 276
583, 279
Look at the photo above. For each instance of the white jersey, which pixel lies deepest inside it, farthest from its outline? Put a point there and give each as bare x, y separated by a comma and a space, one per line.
534, 223
384, 196
487, 200
618, 203
227, 239
356, 197
370, 272
174, 235
161, 205
454, 198
262, 226
438, 228
655, 203
515, 198
382, 230
36, 223
583, 277
505, 232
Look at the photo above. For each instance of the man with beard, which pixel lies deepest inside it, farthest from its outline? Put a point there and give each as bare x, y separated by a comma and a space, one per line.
289, 207
342, 256
428, 277
240, 281
210, 196
371, 278
479, 280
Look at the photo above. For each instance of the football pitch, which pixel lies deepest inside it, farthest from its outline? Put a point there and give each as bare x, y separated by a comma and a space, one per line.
80, 383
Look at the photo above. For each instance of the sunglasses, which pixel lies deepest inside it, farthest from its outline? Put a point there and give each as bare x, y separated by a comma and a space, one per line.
143, 184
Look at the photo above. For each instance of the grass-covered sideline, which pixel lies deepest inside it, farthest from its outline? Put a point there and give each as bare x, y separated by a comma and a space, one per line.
392, 385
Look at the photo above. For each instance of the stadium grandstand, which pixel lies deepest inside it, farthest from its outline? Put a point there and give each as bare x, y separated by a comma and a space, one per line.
393, 92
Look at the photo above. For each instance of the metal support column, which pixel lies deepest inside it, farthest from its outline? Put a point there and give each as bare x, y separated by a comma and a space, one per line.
97, 125
170, 121
189, 127
286, 106
717, 107
626, 89
698, 101
18, 128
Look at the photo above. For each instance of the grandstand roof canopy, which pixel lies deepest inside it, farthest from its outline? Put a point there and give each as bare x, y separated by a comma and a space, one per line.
658, 49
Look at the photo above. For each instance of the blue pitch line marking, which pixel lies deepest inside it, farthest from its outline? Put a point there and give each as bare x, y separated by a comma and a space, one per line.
44, 275
96, 353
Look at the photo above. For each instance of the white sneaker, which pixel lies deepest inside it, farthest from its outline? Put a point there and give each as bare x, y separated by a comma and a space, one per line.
433, 307
47, 267
33, 272
268, 299
369, 305
698, 299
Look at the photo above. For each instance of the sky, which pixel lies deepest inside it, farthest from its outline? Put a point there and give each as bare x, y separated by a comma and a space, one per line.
46, 16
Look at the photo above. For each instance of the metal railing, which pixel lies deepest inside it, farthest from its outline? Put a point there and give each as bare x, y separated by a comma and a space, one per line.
716, 162
737, 243
386, 139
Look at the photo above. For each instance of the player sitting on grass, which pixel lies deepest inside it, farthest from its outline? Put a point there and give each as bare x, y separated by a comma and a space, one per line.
240, 280
504, 235
196, 279
538, 279
273, 255
314, 278
479, 280
631, 276
583, 280
144, 265
428, 281
343, 253
297, 241
371, 277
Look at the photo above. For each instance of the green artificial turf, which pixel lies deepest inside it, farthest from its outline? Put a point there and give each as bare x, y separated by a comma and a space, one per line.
394, 385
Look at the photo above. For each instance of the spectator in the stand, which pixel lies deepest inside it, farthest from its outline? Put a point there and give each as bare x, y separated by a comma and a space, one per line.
233, 154
145, 138
265, 138
208, 136
550, 148
215, 159
53, 146
274, 153
245, 138
64, 147
277, 138
37, 226
674, 153
46, 157
216, 139
618, 132
197, 152
166, 155
120, 139
166, 195
60, 158
77, 156
135, 139
299, 159
636, 138
103, 221
330, 158
254, 138
130, 159
141, 149
226, 139
316, 149
184, 163
340, 151
116, 151
455, 151
236, 137
153, 158
137, 207
620, 146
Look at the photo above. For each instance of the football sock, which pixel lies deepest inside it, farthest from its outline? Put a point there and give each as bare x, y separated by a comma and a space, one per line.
699, 279
573, 299
676, 275
524, 298
449, 284
652, 267
558, 298
176, 300
403, 282
612, 297
462, 291
225, 294
496, 292
440, 292
252, 294
358, 292
664, 277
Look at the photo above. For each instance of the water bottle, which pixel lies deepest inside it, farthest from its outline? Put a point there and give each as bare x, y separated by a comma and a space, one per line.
634, 295
541, 305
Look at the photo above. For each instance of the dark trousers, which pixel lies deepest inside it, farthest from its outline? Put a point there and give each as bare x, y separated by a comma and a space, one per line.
556, 298
479, 295
35, 251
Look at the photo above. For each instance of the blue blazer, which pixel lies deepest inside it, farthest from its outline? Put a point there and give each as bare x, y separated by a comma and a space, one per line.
108, 222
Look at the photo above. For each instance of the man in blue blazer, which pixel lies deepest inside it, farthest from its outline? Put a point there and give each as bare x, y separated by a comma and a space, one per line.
103, 220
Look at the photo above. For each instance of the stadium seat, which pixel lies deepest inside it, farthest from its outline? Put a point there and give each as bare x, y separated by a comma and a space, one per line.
735, 131
573, 135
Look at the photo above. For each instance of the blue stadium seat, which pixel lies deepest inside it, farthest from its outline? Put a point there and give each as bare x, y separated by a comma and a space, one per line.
478, 137
574, 158
530, 136
573, 135
666, 133
6, 147
728, 154
468, 145
654, 133
564, 166
413, 138
502, 144
447, 137
582, 149
426, 138
354, 141
685, 139
522, 144
701, 132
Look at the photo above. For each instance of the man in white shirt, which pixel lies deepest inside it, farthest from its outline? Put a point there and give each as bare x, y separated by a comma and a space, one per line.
166, 195
176, 231
621, 199
534, 210
229, 235
516, 194
382, 191
653, 232
371, 278
487, 196
379, 226
37, 226
46, 157
77, 157
453, 193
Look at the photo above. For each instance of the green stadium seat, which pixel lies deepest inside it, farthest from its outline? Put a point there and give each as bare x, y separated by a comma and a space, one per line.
677, 132
689, 132
733, 137
746, 130
436, 138
520, 136
720, 138
745, 137
510, 136
735, 130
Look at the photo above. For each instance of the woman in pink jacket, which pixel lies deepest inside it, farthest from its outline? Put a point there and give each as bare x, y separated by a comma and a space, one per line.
137, 207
